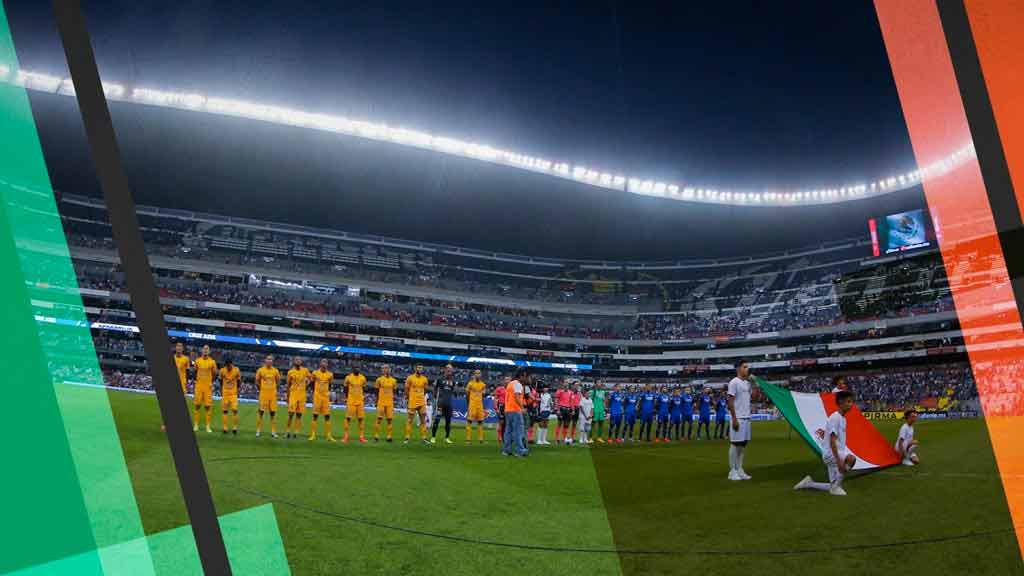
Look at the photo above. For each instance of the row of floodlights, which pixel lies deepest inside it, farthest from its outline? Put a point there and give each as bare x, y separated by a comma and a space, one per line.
404, 136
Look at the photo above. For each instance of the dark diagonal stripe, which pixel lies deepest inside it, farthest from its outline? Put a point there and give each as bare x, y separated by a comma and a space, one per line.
985, 133
106, 156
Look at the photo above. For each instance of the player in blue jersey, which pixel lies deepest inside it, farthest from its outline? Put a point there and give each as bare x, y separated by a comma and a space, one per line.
664, 403
686, 432
616, 399
721, 409
704, 414
676, 413
647, 400
630, 414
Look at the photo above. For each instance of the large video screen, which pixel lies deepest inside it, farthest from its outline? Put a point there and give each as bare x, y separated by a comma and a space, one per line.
900, 232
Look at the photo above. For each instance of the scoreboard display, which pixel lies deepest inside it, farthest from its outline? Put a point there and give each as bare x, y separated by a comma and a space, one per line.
900, 232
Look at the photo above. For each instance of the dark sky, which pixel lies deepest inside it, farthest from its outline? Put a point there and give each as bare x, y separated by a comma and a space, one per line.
741, 94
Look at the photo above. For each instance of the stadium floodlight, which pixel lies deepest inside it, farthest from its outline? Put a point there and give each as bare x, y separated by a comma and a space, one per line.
67, 87
170, 99
421, 139
37, 81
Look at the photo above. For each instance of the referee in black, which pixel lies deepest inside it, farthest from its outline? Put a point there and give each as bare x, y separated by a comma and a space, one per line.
445, 390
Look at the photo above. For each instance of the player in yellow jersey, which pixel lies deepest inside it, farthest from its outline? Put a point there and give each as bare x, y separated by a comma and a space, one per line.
385, 385
230, 377
181, 365
298, 381
322, 378
416, 402
475, 389
206, 369
267, 379
181, 362
354, 384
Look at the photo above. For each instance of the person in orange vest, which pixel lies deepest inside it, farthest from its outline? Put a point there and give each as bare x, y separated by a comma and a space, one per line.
515, 436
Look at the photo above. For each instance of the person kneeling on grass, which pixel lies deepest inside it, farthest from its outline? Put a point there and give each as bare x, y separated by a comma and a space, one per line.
834, 454
906, 446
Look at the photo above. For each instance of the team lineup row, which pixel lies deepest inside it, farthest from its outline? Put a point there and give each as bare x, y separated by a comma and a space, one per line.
665, 415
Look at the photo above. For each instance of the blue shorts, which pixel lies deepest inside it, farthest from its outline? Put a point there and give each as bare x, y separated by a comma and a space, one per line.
687, 417
676, 419
630, 419
616, 419
662, 417
705, 418
647, 417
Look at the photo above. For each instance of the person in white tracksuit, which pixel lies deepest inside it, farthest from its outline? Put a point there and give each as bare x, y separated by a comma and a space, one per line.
585, 419
834, 454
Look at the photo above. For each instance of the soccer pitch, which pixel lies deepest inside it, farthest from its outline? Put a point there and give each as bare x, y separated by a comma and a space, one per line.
630, 509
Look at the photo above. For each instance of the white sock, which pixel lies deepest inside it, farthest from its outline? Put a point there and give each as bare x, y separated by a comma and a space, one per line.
838, 483
822, 486
740, 450
732, 457
543, 435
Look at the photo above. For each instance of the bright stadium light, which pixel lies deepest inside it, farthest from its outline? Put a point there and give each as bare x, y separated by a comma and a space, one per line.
452, 146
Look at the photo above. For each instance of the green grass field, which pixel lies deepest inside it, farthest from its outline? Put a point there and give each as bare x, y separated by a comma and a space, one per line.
631, 509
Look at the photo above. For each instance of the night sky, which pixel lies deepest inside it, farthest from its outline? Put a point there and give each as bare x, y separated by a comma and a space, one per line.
738, 95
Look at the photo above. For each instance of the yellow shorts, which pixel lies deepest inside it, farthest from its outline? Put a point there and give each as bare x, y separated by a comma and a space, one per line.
184, 388
268, 402
229, 403
476, 413
355, 410
297, 404
386, 411
322, 405
415, 406
203, 396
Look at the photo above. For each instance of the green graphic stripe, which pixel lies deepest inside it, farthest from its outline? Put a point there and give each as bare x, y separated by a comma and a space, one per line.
78, 489
257, 550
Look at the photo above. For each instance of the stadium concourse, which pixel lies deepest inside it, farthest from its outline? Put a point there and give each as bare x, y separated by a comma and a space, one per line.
249, 288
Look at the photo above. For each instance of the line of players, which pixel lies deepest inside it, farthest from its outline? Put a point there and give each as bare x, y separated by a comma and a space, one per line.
632, 414
300, 379
644, 413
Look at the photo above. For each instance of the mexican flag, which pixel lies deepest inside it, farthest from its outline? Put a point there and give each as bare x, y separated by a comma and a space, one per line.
808, 413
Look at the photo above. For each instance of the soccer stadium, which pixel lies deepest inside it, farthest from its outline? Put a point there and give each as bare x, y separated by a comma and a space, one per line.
457, 357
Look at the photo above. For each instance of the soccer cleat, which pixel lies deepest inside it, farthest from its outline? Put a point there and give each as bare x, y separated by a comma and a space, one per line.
743, 475
225, 431
908, 462
433, 440
273, 435
600, 440
362, 440
195, 427
733, 475
803, 483
388, 440
427, 442
657, 441
257, 434
235, 431
447, 440
837, 491
332, 439
311, 438
376, 439
209, 430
